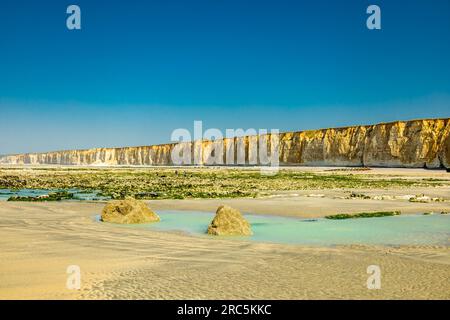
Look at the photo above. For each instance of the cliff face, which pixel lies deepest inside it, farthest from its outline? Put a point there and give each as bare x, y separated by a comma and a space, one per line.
417, 143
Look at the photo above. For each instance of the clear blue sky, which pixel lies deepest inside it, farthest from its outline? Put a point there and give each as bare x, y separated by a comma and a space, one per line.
139, 69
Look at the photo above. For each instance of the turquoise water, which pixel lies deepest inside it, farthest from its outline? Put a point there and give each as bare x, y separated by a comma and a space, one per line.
397, 230
5, 194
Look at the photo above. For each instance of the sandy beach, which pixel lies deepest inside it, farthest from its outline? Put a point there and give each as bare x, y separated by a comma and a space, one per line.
39, 241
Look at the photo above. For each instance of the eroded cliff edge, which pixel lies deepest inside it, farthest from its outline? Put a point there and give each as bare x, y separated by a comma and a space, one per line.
409, 144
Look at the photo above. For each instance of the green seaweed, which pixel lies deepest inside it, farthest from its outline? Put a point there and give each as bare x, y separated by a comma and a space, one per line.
343, 216
53, 196
191, 183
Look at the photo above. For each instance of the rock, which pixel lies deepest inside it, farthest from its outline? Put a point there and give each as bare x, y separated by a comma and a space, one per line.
229, 222
128, 211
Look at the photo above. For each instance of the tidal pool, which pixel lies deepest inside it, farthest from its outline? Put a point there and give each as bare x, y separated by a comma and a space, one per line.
5, 194
397, 230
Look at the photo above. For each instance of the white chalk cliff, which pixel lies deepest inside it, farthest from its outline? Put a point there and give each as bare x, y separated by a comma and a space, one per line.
412, 144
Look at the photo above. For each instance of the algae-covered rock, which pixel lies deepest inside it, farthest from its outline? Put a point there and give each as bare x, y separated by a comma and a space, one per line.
229, 222
128, 211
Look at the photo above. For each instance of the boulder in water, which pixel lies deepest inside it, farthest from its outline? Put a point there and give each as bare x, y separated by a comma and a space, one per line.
128, 211
229, 222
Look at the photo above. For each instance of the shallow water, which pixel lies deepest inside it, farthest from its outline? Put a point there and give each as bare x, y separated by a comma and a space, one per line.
397, 230
5, 194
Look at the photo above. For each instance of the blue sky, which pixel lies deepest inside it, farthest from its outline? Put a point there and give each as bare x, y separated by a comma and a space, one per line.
140, 69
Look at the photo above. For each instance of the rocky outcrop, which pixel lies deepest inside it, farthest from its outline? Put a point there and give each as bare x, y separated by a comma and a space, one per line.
229, 222
128, 211
409, 144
